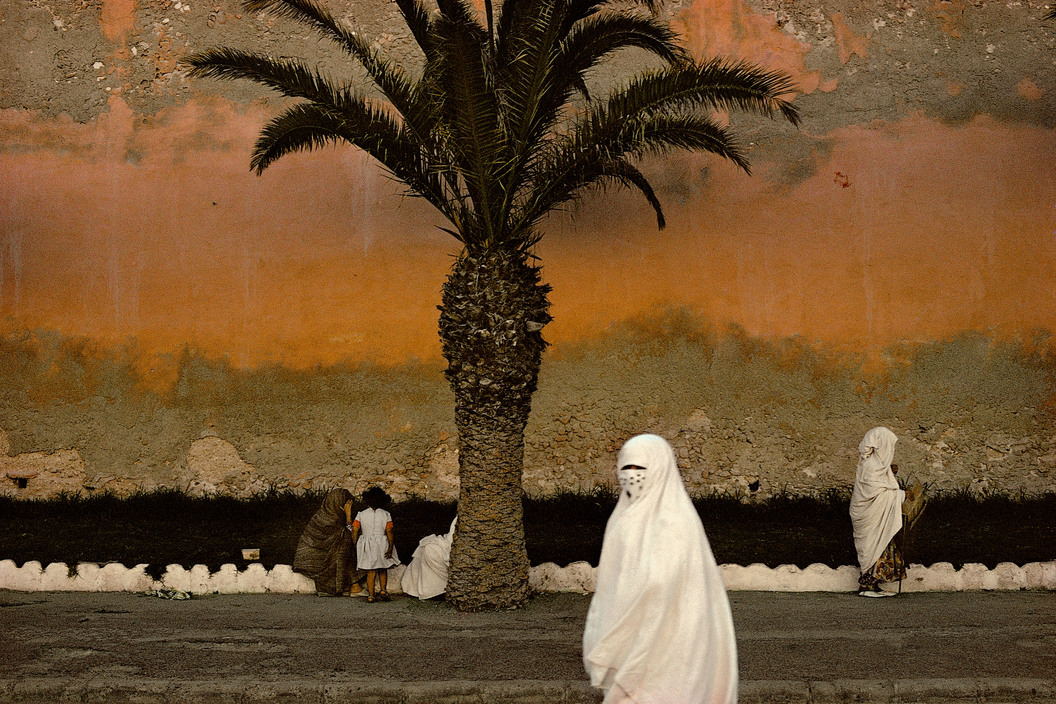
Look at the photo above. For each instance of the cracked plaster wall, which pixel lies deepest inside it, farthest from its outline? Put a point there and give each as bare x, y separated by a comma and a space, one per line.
745, 416
889, 262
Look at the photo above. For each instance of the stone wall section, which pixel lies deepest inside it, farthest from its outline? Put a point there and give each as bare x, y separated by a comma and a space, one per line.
106, 143
745, 418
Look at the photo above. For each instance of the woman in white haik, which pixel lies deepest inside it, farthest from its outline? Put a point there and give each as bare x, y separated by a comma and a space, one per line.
426, 575
659, 628
876, 513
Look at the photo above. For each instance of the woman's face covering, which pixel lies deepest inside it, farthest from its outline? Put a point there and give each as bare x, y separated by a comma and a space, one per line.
632, 480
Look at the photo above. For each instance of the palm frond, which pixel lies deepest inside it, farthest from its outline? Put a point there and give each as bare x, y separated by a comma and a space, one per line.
388, 76
714, 84
416, 16
580, 10
302, 127
616, 127
565, 179
663, 133
460, 12
530, 96
512, 18
471, 114
303, 11
288, 76
626, 174
652, 5
309, 126
598, 37
586, 157
294, 79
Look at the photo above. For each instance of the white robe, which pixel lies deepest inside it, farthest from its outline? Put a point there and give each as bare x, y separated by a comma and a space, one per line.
659, 628
426, 575
876, 501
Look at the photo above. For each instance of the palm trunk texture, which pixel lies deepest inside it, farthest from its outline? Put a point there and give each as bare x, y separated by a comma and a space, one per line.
493, 309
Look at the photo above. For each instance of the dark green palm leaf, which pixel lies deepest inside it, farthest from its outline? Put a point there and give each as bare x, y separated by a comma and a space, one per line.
579, 162
713, 84
309, 126
471, 114
303, 11
663, 133
565, 179
461, 12
302, 127
290, 77
387, 76
580, 10
526, 85
416, 16
598, 37
678, 90
626, 174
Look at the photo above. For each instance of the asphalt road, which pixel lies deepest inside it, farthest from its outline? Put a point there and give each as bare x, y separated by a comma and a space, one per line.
793, 647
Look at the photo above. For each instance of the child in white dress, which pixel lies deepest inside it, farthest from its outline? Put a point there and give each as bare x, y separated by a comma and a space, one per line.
372, 536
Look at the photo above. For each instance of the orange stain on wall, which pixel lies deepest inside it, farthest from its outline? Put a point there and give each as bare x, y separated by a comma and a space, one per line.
1028, 89
151, 228
117, 19
950, 15
848, 43
934, 230
154, 229
731, 29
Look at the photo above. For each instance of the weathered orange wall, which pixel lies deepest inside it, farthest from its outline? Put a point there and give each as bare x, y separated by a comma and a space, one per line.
915, 204
148, 225
906, 231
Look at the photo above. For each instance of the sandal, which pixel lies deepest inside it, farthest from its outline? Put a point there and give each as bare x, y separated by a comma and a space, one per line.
370, 598
383, 596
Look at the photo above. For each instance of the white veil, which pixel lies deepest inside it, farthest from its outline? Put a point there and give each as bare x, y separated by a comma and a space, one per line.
876, 501
426, 575
659, 628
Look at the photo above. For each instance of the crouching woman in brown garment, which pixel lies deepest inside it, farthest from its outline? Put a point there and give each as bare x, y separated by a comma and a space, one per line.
325, 548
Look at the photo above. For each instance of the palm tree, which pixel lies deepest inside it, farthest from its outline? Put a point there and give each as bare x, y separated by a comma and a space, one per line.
496, 129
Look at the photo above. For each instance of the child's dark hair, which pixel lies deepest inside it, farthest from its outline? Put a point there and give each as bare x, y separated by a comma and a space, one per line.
376, 498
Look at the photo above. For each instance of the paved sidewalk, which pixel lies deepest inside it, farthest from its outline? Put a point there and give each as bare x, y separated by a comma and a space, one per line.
819, 647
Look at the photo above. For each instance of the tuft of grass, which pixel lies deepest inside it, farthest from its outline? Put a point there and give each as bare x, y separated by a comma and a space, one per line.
169, 527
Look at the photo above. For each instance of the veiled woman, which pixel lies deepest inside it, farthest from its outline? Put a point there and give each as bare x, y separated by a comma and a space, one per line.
426, 575
876, 513
325, 548
659, 628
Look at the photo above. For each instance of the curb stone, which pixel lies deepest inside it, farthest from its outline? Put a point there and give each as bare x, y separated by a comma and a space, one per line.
1009, 690
335, 691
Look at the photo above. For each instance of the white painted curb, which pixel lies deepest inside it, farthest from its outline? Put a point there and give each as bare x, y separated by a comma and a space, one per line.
547, 577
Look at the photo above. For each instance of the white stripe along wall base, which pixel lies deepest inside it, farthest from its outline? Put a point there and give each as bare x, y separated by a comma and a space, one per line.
547, 577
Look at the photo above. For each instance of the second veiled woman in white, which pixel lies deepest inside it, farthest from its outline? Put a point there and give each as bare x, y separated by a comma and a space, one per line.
876, 513
426, 575
659, 628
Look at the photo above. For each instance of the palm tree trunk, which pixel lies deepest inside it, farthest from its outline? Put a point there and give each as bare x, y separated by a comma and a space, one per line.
493, 309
